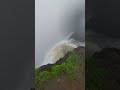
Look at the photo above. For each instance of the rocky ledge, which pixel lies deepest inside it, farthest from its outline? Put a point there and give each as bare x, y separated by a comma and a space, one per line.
79, 50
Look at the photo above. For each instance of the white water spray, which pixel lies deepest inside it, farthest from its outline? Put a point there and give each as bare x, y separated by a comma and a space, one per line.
60, 49
55, 19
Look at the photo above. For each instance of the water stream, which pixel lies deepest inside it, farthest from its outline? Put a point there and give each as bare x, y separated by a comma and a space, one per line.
59, 26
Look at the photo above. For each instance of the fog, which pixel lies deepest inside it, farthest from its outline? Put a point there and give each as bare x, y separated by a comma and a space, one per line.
54, 21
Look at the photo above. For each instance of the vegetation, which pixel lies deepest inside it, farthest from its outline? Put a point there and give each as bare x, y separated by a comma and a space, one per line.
69, 67
95, 76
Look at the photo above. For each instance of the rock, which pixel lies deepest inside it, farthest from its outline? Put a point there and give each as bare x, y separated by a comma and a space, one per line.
46, 67
79, 50
109, 60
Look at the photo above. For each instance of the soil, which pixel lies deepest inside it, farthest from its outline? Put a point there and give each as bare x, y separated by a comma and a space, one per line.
63, 82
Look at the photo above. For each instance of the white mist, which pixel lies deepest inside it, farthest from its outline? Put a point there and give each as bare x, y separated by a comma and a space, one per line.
54, 21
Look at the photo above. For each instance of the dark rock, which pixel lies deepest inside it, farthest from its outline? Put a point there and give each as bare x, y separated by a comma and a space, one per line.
61, 60
79, 50
109, 60
46, 67
108, 57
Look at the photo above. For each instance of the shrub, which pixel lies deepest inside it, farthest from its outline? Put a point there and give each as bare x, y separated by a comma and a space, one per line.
68, 67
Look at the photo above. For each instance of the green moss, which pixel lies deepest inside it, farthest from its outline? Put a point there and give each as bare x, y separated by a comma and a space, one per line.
69, 67
42, 77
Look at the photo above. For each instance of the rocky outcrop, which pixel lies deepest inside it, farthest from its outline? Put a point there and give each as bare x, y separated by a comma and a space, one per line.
79, 50
46, 67
109, 60
63, 82
49, 66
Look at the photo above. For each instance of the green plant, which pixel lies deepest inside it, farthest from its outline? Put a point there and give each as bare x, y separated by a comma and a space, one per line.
69, 67
42, 77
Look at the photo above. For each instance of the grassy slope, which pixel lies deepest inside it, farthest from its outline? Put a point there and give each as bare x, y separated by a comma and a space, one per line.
94, 74
69, 67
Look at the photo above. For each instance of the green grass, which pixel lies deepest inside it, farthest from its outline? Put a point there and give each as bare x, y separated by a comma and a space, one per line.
95, 76
69, 67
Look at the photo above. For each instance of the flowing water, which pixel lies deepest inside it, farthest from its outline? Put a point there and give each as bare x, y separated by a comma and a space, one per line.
59, 27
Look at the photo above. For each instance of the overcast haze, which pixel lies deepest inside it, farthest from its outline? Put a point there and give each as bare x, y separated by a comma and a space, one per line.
54, 20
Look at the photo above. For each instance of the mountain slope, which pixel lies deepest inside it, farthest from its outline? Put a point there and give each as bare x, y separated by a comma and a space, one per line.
103, 70
68, 73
